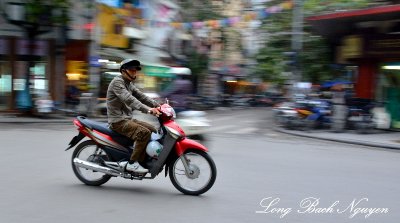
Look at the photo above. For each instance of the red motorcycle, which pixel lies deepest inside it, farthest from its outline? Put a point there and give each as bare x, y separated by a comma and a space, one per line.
191, 170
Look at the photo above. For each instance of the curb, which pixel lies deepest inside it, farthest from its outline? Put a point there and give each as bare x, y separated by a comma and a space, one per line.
354, 142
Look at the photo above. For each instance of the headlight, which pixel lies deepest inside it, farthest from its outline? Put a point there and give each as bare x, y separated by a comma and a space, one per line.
174, 133
171, 112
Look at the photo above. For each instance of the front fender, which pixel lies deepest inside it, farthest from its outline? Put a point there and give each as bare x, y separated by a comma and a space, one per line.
185, 144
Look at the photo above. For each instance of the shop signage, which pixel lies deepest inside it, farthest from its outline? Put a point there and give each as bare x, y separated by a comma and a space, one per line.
352, 47
39, 48
94, 61
383, 45
157, 71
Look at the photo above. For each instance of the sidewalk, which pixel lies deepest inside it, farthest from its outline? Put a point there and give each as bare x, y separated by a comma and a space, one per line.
379, 138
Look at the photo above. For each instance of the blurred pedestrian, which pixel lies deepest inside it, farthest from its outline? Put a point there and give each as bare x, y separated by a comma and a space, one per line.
72, 95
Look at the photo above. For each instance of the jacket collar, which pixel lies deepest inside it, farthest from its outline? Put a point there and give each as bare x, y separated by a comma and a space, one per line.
124, 79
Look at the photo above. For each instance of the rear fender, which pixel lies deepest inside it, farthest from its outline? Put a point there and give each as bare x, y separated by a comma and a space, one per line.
75, 140
185, 144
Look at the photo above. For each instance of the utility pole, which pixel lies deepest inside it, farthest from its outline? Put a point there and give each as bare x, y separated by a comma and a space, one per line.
297, 39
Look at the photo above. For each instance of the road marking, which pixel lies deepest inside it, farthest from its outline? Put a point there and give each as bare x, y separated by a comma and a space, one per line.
221, 128
244, 130
273, 135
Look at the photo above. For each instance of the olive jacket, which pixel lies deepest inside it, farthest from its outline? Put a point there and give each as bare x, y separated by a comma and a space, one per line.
123, 97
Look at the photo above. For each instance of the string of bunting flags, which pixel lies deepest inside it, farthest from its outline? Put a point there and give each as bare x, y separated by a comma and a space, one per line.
227, 22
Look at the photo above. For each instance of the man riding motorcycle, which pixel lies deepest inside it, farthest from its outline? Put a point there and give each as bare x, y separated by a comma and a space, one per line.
123, 97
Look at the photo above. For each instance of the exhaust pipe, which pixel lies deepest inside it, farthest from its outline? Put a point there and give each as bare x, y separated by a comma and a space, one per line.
96, 167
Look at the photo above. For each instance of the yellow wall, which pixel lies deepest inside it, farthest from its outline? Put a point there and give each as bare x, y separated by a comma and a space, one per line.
108, 18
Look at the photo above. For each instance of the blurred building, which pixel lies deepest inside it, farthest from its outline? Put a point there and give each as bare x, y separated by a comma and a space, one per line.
26, 58
58, 56
98, 31
142, 30
366, 43
225, 48
101, 33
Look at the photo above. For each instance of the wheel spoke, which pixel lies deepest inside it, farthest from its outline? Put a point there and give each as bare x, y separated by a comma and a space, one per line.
200, 173
85, 154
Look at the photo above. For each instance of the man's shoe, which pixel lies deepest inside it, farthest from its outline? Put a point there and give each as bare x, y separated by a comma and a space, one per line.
136, 167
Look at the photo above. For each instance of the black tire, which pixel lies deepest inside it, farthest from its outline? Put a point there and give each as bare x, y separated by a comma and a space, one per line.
77, 170
363, 128
212, 168
308, 125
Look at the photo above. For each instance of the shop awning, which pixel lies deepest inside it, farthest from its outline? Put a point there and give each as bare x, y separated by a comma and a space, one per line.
180, 71
157, 71
329, 84
120, 55
134, 33
149, 69
344, 22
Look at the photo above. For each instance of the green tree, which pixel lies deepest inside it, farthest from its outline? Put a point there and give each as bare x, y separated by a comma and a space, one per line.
275, 30
195, 10
315, 58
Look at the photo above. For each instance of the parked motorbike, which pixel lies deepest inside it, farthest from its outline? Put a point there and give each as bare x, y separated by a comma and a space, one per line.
319, 116
359, 115
303, 114
292, 115
191, 170
284, 113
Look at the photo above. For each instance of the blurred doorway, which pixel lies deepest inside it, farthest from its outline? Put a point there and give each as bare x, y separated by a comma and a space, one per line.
388, 91
5, 86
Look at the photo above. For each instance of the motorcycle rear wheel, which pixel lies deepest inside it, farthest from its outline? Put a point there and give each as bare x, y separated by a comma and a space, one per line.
202, 173
89, 151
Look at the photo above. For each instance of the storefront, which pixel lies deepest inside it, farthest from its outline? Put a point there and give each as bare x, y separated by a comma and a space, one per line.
76, 64
388, 90
6, 93
16, 55
368, 41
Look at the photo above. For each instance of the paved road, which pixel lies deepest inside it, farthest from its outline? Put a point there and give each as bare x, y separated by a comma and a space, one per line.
38, 184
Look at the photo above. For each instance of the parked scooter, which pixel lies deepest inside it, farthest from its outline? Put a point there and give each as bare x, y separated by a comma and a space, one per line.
284, 113
191, 170
304, 114
320, 116
359, 115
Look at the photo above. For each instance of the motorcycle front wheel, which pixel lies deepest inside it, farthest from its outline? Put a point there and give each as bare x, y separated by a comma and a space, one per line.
199, 177
89, 151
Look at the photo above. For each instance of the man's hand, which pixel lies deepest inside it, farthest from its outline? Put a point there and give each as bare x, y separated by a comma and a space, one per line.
155, 111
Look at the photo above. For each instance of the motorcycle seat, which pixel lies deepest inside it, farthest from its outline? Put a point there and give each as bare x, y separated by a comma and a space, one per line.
103, 128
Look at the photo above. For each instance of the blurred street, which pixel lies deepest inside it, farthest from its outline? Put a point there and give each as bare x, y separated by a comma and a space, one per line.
254, 162
298, 102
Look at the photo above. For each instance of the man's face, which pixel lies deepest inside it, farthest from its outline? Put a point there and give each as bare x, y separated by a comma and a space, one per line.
131, 74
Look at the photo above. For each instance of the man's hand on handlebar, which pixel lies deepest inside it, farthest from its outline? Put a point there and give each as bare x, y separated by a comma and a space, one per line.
155, 111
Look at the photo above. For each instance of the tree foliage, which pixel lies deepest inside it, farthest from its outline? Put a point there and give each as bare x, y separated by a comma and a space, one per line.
275, 31
198, 10
47, 12
315, 58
